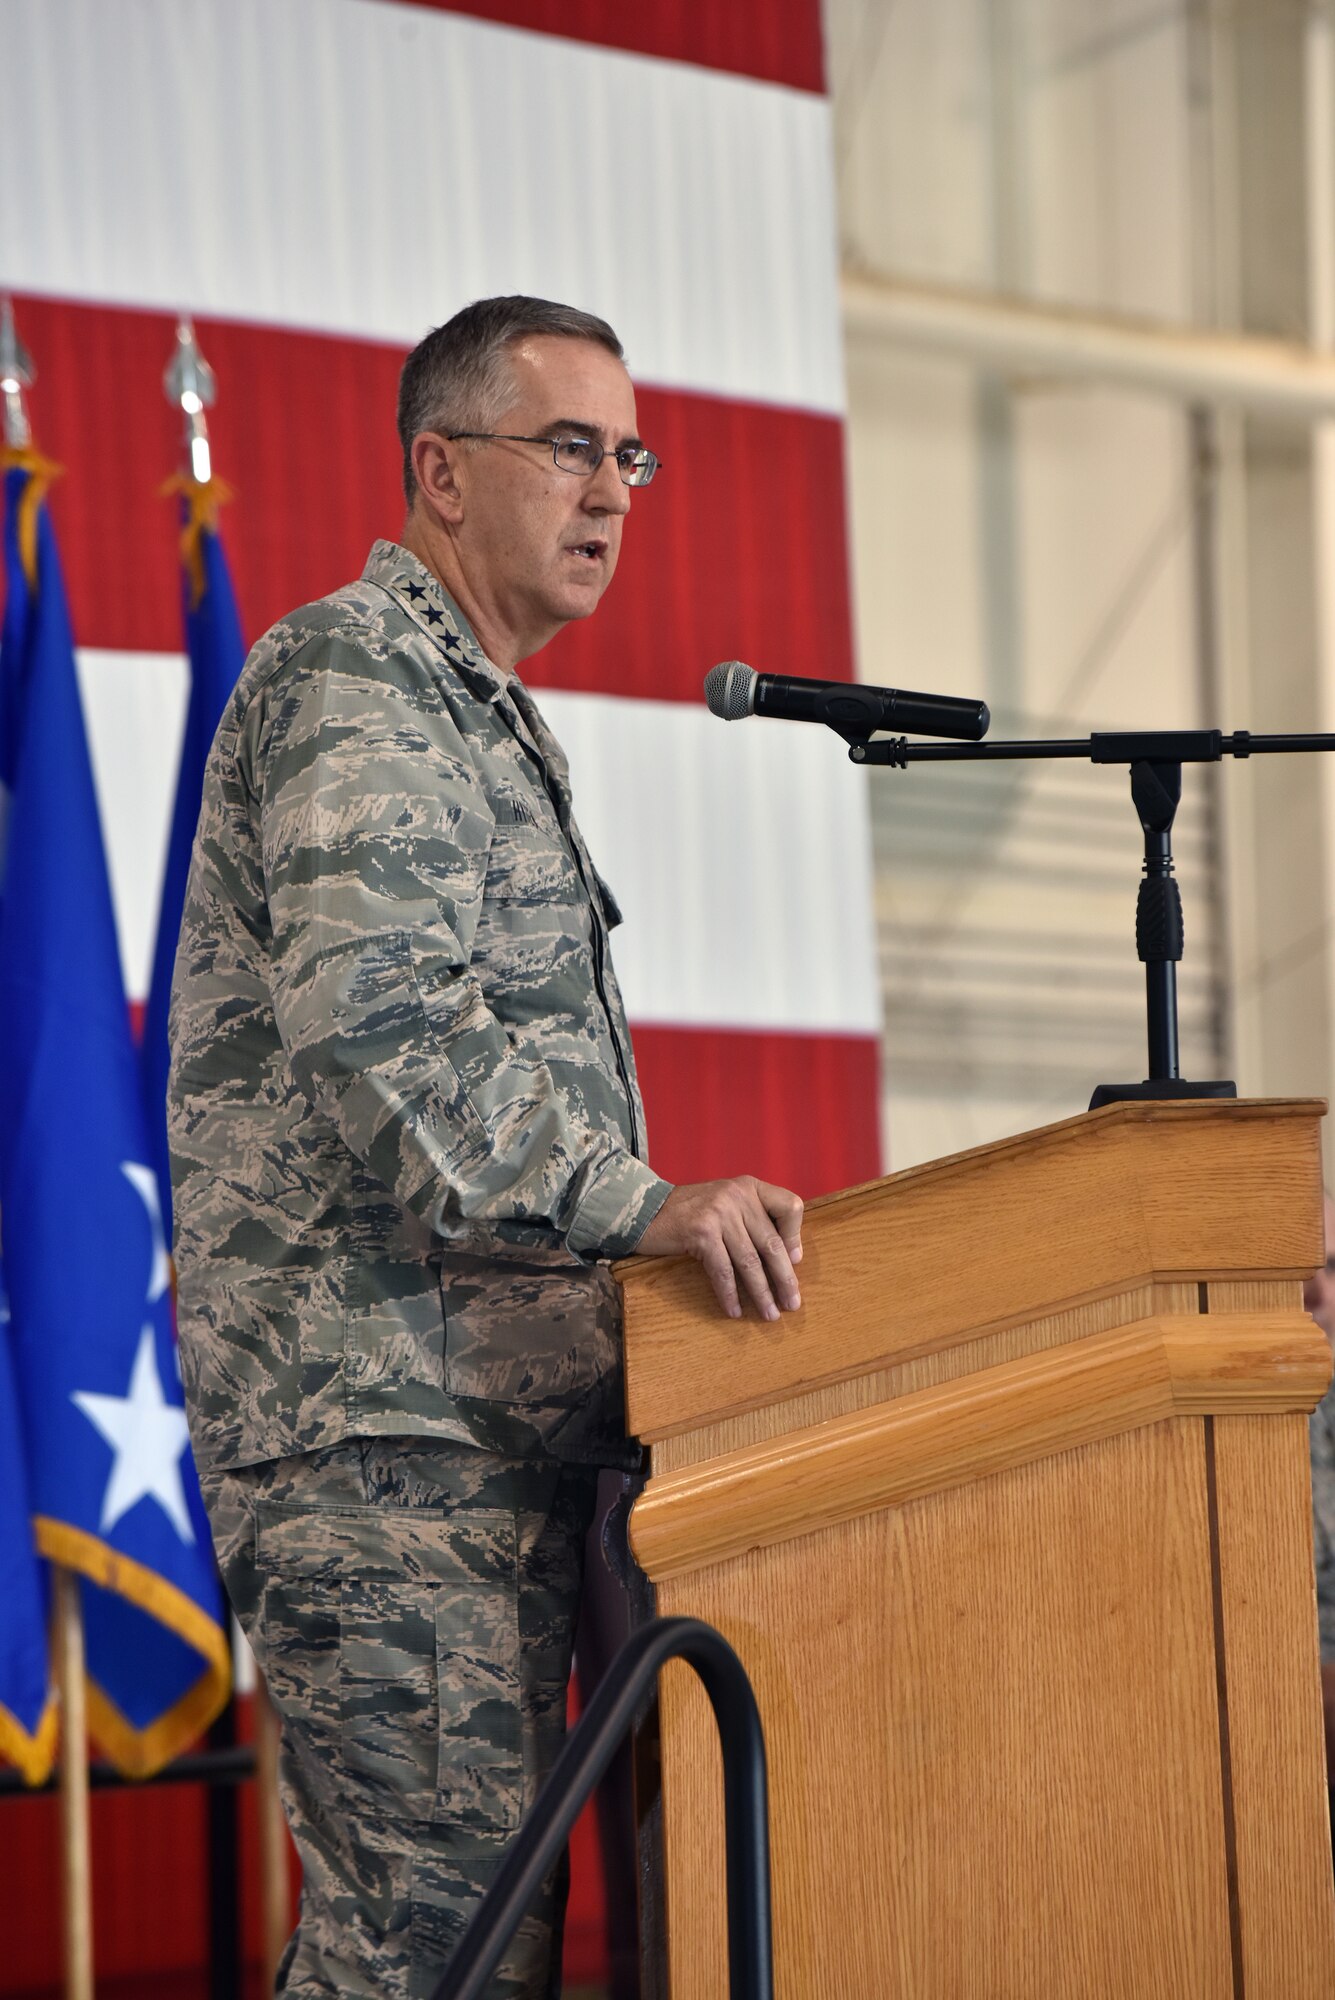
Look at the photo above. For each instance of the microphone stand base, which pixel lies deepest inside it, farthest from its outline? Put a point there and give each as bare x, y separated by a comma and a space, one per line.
1159, 1089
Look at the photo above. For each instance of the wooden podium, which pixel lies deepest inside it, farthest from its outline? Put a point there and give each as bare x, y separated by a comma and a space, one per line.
1010, 1526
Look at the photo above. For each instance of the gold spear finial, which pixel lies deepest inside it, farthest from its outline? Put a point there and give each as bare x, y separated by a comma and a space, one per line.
189, 383
16, 374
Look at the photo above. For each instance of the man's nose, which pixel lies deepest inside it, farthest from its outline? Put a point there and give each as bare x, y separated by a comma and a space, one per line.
605, 492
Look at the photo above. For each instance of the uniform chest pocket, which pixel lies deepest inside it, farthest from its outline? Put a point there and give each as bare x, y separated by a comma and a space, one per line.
530, 861
530, 1336
398, 1630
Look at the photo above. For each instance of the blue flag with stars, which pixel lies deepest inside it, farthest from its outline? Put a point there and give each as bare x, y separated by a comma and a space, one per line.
27, 1710
216, 650
112, 1486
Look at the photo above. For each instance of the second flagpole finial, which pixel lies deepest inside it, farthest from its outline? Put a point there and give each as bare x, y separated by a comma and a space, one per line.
16, 374
189, 383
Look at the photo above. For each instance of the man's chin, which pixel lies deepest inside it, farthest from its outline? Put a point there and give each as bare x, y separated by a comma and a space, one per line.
582, 600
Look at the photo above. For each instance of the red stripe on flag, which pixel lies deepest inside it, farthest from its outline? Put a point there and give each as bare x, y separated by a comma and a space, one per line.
737, 551
778, 41
800, 1110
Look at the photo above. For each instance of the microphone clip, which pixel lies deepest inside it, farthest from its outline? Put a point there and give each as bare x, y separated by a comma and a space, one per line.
892, 750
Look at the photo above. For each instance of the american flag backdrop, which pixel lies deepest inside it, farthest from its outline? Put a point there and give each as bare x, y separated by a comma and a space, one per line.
318, 182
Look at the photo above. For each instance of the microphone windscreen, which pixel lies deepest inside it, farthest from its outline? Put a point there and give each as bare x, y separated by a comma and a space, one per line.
730, 690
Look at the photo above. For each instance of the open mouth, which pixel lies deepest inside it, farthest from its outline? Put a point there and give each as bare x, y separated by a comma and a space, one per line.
588, 551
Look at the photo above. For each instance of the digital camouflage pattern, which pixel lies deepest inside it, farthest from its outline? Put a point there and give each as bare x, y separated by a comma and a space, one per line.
1322, 1438
411, 1604
403, 1113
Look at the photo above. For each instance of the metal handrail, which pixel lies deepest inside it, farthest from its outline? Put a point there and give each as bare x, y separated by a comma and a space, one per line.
588, 1751
233, 1766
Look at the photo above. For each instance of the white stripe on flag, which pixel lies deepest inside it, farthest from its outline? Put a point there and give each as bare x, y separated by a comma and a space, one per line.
363, 168
740, 855
134, 711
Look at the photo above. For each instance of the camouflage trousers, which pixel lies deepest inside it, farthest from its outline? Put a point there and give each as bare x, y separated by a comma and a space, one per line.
411, 1604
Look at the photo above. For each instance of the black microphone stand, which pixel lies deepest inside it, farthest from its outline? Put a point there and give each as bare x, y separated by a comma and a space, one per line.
1156, 757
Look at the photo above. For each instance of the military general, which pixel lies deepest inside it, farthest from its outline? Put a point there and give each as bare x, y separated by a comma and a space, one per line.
406, 1140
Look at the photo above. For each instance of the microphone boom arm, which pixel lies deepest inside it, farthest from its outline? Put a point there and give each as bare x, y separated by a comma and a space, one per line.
1155, 757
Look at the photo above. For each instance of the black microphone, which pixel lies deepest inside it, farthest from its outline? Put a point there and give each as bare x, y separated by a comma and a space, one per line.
851, 707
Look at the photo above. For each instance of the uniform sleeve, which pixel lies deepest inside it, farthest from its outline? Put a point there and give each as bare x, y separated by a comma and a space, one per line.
375, 831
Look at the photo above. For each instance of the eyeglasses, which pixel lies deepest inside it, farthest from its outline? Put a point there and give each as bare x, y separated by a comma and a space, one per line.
580, 455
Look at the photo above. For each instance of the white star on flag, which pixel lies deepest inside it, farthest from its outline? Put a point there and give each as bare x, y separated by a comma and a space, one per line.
148, 1435
144, 1182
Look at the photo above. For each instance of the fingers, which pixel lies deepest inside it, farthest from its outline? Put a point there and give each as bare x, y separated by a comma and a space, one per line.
753, 1270
759, 1256
776, 1279
718, 1268
786, 1209
746, 1235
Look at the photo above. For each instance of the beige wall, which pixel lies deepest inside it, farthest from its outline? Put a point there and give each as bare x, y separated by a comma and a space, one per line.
1082, 557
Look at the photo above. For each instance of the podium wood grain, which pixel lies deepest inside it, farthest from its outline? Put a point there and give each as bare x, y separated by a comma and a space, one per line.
1011, 1731
1276, 1738
1026, 1597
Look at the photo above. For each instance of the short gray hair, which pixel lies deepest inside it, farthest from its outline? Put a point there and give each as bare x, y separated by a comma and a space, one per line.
458, 378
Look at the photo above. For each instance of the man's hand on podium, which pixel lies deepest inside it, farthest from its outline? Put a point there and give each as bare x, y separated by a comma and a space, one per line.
740, 1230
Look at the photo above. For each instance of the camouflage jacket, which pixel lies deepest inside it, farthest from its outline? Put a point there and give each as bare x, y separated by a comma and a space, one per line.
404, 1121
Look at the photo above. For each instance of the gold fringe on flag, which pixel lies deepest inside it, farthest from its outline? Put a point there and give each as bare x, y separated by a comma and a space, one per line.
203, 498
139, 1753
42, 471
32, 1755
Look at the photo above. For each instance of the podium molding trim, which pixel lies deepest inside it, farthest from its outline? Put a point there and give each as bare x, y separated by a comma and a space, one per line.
1169, 1365
1072, 1214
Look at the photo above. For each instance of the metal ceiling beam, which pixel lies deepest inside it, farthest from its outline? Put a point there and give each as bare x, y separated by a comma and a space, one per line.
1017, 338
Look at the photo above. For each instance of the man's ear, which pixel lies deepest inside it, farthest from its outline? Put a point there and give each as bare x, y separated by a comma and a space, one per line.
436, 464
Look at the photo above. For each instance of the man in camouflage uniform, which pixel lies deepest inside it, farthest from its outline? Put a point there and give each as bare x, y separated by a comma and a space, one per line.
406, 1139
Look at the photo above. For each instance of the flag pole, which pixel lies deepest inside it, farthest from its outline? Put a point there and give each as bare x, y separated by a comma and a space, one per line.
189, 385
76, 1866
275, 1910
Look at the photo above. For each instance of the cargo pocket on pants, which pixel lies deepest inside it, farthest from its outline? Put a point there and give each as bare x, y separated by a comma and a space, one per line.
428, 1689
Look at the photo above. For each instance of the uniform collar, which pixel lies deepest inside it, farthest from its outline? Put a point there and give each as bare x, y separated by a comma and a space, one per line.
421, 595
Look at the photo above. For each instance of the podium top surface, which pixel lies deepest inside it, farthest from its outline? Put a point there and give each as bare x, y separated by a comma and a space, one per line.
978, 1241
